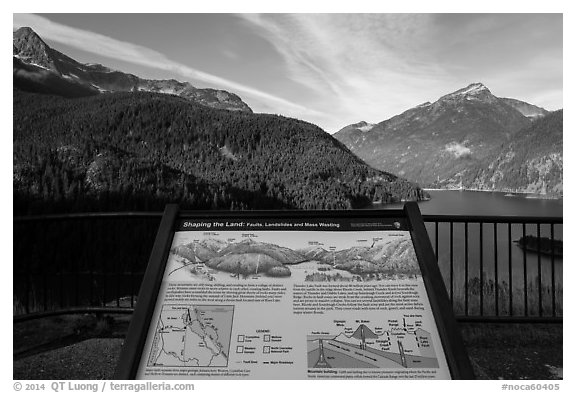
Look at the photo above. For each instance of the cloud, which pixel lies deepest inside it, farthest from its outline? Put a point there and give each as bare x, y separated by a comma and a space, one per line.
116, 49
373, 66
370, 65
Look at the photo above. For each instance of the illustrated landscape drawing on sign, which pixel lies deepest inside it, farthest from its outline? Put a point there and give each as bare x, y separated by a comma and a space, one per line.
312, 256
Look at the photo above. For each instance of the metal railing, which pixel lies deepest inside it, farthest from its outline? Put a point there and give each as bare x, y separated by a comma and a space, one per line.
92, 262
487, 277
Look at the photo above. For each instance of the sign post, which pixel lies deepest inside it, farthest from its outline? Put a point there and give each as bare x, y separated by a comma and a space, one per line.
293, 295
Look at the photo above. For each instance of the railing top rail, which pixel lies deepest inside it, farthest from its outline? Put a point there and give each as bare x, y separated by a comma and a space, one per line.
81, 216
493, 219
427, 217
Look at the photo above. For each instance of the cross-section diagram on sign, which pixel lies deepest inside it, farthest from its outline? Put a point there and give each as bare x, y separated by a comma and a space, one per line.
402, 345
192, 336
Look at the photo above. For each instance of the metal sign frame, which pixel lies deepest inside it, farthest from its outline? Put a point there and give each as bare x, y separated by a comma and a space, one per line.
454, 350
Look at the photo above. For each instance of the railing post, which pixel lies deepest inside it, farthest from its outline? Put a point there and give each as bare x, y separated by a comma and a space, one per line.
481, 269
27, 294
525, 270
466, 268
436, 240
553, 270
496, 283
510, 302
44, 290
539, 271
131, 288
452, 263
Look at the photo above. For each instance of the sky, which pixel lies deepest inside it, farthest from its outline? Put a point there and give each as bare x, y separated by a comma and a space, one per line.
329, 69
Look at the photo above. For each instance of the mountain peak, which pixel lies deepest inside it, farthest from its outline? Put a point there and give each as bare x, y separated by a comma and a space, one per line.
475, 87
474, 91
26, 36
25, 31
30, 47
471, 89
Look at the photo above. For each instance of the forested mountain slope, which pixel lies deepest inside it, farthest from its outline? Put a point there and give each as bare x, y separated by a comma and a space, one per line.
531, 162
140, 150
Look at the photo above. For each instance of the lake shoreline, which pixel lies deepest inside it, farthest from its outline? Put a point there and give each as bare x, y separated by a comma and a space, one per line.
511, 194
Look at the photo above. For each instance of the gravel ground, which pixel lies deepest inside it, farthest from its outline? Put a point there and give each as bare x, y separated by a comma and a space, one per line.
514, 351
503, 363
95, 358
84, 347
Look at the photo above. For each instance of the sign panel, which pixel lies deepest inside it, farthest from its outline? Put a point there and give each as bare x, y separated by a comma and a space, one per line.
294, 296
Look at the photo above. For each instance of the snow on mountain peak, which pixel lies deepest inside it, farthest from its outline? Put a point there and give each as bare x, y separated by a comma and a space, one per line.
474, 88
474, 91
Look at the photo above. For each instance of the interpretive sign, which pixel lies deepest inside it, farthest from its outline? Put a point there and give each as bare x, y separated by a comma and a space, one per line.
293, 295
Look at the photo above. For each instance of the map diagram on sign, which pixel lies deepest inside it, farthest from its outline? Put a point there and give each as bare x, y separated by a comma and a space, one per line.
402, 343
192, 336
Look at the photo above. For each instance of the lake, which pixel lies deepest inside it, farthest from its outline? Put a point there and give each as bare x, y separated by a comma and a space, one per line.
478, 203
503, 271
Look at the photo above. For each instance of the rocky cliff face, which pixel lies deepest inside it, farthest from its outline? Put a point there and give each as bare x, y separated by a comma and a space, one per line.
39, 68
